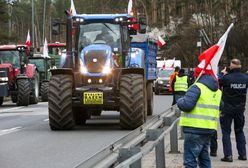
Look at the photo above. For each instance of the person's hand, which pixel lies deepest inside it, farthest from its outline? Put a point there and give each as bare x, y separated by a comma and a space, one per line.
224, 71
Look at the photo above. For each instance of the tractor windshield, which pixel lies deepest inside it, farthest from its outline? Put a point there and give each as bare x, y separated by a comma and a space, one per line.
40, 64
11, 57
100, 33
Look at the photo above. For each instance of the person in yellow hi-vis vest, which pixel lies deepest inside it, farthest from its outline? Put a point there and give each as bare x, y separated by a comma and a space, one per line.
199, 117
180, 84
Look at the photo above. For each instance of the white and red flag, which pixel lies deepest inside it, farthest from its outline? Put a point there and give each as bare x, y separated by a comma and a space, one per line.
173, 63
28, 41
72, 9
130, 7
210, 58
45, 49
161, 42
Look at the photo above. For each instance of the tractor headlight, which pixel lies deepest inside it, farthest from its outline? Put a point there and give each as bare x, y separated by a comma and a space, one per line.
160, 82
107, 68
83, 68
4, 79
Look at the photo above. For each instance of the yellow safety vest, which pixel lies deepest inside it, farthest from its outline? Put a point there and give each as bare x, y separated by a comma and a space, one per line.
181, 84
206, 111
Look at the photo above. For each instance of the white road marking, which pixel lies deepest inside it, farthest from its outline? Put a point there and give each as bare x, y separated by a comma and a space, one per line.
46, 120
8, 131
10, 109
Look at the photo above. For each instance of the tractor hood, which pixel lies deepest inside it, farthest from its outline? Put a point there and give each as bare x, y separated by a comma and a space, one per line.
96, 60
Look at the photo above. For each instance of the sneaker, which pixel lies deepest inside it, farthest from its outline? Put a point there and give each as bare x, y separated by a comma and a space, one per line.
214, 154
227, 159
242, 158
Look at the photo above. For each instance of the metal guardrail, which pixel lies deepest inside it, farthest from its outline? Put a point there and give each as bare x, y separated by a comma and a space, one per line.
129, 150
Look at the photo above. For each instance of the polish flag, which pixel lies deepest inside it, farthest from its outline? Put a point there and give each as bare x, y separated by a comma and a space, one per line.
72, 9
28, 41
130, 7
210, 58
161, 42
45, 49
173, 63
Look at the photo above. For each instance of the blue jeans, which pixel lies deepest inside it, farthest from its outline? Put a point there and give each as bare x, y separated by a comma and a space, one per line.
196, 151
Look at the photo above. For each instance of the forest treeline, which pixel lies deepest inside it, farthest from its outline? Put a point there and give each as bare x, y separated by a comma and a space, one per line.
180, 19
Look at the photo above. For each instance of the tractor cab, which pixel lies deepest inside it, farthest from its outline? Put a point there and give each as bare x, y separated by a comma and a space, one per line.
18, 78
13, 57
101, 43
55, 51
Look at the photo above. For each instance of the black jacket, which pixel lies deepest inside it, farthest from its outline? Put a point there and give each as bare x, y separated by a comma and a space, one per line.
234, 87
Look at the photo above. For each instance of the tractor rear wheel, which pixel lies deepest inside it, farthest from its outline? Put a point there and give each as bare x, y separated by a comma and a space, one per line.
34, 97
44, 91
1, 101
23, 92
60, 103
149, 98
132, 104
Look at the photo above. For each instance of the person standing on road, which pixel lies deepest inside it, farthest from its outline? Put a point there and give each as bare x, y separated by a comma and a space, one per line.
180, 84
234, 86
172, 76
199, 118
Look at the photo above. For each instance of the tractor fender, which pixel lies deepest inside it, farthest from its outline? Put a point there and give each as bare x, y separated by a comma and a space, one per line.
30, 70
64, 71
133, 71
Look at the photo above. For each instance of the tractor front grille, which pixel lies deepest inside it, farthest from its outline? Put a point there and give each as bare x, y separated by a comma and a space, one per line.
95, 61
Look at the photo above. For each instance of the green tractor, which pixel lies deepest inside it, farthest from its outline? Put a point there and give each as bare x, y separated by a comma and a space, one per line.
43, 65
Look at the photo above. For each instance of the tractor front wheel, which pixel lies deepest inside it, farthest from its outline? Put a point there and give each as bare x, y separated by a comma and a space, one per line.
132, 103
44, 91
60, 103
23, 92
34, 97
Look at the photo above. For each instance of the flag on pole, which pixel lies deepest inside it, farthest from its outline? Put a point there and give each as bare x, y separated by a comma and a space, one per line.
161, 42
130, 7
72, 9
173, 63
28, 41
210, 58
45, 49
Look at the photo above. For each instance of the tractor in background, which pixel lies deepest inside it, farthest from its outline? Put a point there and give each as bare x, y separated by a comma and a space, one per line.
18, 78
43, 66
55, 51
102, 71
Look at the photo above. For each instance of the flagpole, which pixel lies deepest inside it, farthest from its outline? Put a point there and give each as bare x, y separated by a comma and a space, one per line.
33, 24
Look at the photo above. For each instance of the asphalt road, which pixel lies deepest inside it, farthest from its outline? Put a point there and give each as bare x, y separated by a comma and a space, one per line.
26, 140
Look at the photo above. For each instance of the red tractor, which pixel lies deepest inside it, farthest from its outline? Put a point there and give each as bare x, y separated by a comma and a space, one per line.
18, 78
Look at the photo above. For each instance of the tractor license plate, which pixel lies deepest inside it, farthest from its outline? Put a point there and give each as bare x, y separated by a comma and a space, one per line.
93, 98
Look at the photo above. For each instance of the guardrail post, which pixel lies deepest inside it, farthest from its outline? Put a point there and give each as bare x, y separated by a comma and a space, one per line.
174, 140
178, 113
159, 149
173, 133
126, 153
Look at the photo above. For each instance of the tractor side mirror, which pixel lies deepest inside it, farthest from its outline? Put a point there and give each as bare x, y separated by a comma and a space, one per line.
56, 26
142, 25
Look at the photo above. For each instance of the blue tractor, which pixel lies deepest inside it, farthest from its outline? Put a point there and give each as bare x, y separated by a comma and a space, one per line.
103, 72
